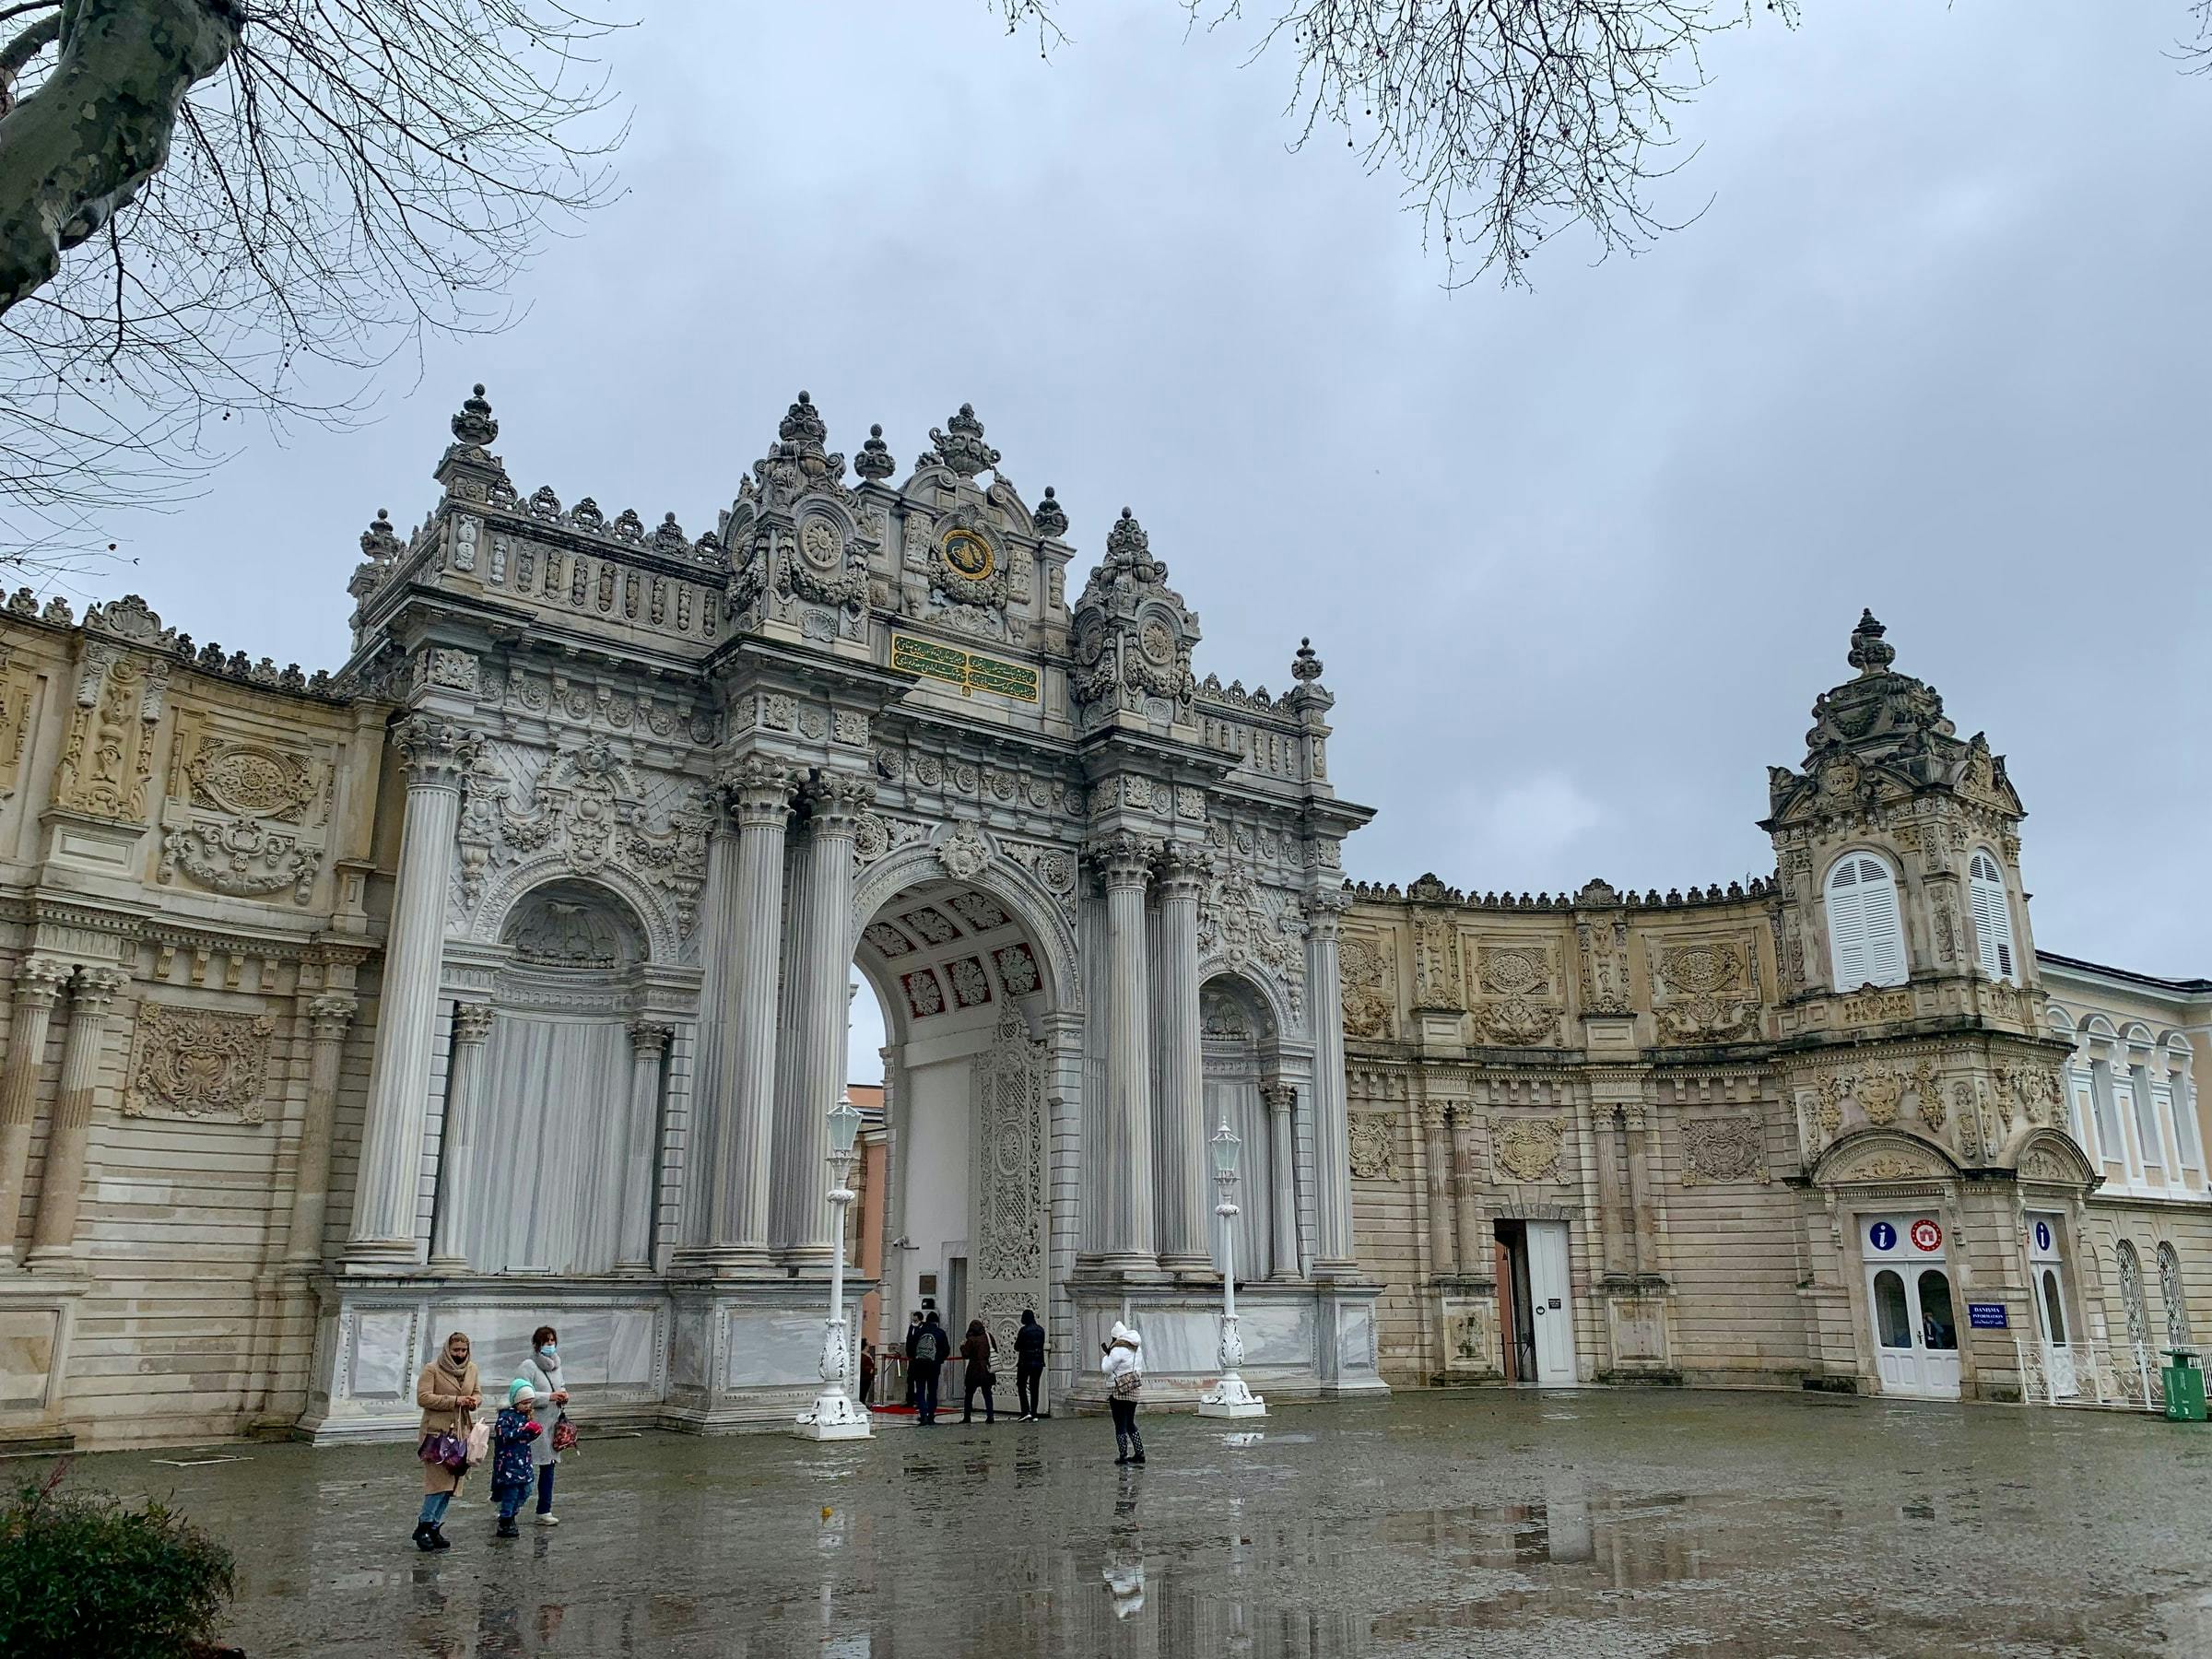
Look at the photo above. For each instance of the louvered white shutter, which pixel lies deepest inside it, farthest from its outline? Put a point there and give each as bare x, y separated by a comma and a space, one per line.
1846, 926
1992, 917
1885, 924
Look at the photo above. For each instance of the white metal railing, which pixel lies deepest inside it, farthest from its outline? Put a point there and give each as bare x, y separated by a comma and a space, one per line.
2125, 1376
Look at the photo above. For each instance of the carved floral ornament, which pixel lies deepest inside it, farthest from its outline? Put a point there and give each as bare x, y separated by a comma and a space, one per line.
1528, 1148
196, 1063
1514, 979
1722, 1149
1371, 1144
1365, 969
1242, 925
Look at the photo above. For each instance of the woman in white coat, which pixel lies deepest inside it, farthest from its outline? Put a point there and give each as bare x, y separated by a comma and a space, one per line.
543, 1373
1125, 1367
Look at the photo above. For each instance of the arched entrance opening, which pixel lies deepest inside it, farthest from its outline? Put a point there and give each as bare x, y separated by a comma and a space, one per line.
967, 1221
1244, 1088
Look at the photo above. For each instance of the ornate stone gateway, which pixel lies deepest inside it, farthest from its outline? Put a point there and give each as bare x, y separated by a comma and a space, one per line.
663, 791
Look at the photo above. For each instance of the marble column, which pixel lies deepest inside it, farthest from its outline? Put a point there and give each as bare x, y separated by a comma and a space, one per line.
1475, 1238
1282, 1170
744, 1143
1124, 865
647, 1046
39, 984
1332, 1136
697, 1224
1186, 1208
328, 1018
1437, 1157
457, 1143
821, 973
53, 1235
436, 755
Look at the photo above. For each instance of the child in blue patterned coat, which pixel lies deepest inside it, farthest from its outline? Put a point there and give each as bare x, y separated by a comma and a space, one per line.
512, 1470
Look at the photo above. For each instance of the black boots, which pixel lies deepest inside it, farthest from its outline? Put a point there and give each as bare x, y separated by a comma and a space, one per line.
507, 1529
422, 1535
440, 1541
1136, 1447
1121, 1444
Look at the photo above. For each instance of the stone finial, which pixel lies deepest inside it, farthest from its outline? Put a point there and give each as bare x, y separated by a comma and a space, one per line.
1050, 518
1868, 653
1305, 666
473, 424
1129, 548
380, 541
669, 536
961, 445
802, 424
875, 462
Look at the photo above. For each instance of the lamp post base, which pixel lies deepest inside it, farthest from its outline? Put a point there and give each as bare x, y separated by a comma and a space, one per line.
1230, 1398
834, 1416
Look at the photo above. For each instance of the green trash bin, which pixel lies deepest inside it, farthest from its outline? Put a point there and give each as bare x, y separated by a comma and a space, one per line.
2184, 1386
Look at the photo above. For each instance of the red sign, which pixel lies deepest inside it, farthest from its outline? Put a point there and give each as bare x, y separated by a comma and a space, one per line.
1926, 1235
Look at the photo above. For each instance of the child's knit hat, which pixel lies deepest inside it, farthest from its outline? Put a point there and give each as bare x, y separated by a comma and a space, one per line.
520, 1392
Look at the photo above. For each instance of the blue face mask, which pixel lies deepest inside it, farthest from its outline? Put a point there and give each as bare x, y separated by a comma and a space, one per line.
550, 1352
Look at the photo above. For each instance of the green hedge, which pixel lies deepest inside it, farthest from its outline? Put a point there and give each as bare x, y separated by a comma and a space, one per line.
85, 1576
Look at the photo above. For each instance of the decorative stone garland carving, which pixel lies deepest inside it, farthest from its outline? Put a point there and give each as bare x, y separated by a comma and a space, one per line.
1371, 1141
1365, 965
1722, 1149
1703, 973
241, 857
196, 1063
1514, 979
1529, 1148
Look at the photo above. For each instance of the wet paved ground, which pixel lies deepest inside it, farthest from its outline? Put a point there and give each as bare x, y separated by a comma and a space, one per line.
1620, 1524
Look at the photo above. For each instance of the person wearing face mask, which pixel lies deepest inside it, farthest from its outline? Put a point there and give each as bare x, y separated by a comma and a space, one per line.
449, 1395
543, 1374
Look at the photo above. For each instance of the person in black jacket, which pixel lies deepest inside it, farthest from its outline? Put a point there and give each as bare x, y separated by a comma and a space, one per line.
932, 1348
913, 1330
1029, 1362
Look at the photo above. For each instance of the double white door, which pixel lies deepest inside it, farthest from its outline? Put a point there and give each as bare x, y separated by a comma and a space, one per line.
1908, 1296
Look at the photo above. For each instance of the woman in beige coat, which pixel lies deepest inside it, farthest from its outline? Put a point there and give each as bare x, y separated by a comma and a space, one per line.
449, 1395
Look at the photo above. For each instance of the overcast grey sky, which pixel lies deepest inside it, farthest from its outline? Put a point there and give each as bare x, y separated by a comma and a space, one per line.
1579, 559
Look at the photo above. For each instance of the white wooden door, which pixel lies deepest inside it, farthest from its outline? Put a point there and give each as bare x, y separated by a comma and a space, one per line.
1548, 1288
1909, 1298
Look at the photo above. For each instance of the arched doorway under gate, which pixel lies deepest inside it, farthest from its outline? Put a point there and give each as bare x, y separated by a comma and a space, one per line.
974, 1030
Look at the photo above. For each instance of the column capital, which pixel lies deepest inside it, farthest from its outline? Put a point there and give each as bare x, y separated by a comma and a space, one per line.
436, 753
836, 800
1182, 869
472, 1022
1123, 859
1279, 1096
94, 988
331, 1014
41, 979
1323, 909
648, 1038
759, 791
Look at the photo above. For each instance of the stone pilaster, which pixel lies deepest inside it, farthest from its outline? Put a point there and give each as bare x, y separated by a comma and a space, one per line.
1644, 1222
818, 1008
1282, 1169
328, 1018
39, 984
1124, 865
1332, 1133
1179, 1115
436, 755
1615, 1249
1436, 1166
1475, 1239
647, 1046
744, 1144
458, 1143
53, 1235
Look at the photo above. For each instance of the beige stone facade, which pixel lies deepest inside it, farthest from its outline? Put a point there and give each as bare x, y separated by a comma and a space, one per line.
1743, 1111
501, 977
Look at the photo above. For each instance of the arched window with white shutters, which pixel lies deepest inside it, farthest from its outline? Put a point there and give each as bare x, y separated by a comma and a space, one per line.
1993, 918
1865, 928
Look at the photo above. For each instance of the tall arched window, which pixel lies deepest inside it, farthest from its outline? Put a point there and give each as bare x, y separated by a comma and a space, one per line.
1865, 932
1992, 917
2170, 1293
2131, 1294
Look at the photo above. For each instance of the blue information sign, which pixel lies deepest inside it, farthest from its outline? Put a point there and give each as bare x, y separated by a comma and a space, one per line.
1986, 1317
1883, 1235
2042, 1235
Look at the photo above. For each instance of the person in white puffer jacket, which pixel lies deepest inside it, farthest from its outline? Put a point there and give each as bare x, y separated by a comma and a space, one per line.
1125, 1367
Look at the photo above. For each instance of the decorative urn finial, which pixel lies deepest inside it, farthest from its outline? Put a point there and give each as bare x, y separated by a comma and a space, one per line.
875, 460
960, 443
1868, 653
802, 424
473, 424
379, 542
1050, 518
1304, 665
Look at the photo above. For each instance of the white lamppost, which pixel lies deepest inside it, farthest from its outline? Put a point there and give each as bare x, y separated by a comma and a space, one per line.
1229, 1398
835, 1415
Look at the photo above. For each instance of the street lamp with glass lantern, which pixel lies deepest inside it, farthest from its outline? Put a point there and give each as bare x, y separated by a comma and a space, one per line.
1229, 1397
836, 1415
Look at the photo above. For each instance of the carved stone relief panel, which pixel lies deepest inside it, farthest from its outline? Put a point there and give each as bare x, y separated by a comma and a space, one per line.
249, 807
1242, 925
1373, 1146
107, 764
1604, 945
1528, 1148
1721, 1149
1436, 972
1366, 965
1705, 989
17, 690
1515, 985
1010, 1201
196, 1063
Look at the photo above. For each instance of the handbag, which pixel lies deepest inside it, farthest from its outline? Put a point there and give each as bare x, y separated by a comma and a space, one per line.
564, 1434
479, 1442
448, 1451
1126, 1384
